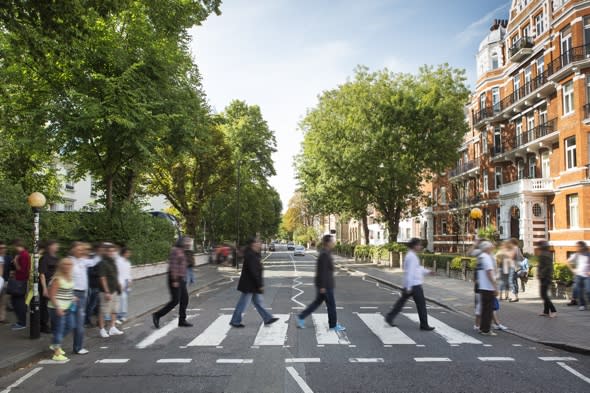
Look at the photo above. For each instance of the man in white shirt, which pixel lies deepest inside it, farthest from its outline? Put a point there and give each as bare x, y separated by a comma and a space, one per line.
413, 279
124, 270
581, 272
487, 285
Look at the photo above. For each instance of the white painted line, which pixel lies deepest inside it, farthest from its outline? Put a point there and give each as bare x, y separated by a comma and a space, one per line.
300, 381
368, 308
302, 360
234, 361
219, 347
112, 361
254, 347
387, 346
455, 345
49, 361
352, 346
104, 347
420, 346
193, 309
320, 346
339, 308
214, 334
324, 334
453, 336
227, 309
487, 345
138, 324
496, 359
183, 347
575, 372
22, 379
174, 360
275, 334
297, 308
366, 360
558, 359
159, 333
422, 360
387, 334
517, 345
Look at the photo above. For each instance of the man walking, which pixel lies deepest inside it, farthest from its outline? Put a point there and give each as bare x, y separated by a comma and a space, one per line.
488, 288
324, 282
177, 285
110, 290
251, 286
413, 279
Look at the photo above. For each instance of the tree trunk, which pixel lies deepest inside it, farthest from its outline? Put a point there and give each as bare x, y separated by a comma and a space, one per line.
109, 191
393, 225
192, 220
365, 222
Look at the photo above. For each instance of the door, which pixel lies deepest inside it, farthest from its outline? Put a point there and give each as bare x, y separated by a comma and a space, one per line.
515, 222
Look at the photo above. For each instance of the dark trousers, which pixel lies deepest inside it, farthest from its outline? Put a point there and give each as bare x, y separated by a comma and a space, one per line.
20, 309
91, 304
418, 296
178, 295
487, 310
327, 297
44, 312
547, 303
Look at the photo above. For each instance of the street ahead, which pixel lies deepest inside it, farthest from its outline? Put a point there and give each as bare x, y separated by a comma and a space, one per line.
369, 357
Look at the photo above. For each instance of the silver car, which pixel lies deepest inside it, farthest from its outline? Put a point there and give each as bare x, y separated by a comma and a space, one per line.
299, 250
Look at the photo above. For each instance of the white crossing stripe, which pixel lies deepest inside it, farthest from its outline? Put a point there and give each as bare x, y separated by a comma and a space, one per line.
387, 334
421, 360
50, 361
275, 334
300, 381
302, 360
214, 334
160, 333
574, 372
324, 334
558, 359
453, 336
22, 379
112, 361
174, 360
368, 308
496, 359
235, 361
366, 360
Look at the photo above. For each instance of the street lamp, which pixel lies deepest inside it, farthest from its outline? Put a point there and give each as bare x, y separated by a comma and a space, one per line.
238, 213
36, 200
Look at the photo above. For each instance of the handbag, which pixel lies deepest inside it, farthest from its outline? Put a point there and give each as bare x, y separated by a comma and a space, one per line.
16, 288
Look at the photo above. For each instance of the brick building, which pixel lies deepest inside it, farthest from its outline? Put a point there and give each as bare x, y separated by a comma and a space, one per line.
524, 162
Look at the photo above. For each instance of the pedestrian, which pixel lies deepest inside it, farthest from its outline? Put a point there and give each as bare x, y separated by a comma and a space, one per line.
517, 268
190, 261
505, 258
17, 285
580, 270
488, 289
545, 275
251, 285
5, 267
124, 269
47, 267
92, 304
79, 256
110, 291
62, 306
176, 285
413, 279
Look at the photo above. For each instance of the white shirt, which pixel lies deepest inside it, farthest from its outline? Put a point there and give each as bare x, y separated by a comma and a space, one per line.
581, 264
124, 271
80, 272
413, 272
486, 264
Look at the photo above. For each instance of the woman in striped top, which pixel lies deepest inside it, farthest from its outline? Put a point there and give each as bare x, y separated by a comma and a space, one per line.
61, 306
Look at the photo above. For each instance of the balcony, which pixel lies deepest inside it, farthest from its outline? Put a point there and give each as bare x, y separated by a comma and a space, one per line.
522, 49
542, 135
465, 168
537, 186
538, 132
529, 94
577, 57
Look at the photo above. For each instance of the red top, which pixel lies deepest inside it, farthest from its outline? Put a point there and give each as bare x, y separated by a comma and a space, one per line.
24, 261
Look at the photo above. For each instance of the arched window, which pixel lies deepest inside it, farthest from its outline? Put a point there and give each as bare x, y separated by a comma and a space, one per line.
495, 61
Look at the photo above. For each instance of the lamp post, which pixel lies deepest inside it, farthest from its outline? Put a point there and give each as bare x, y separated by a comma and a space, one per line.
238, 214
36, 200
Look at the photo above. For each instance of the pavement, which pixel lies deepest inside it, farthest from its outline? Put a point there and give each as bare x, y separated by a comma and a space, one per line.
18, 350
369, 356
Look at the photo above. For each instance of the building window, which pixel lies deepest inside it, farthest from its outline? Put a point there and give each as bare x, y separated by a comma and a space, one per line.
530, 122
568, 98
408, 233
69, 206
496, 99
482, 101
518, 127
570, 152
498, 221
498, 177
573, 213
92, 188
539, 24
516, 84
484, 143
69, 182
495, 62
443, 195
545, 165
566, 46
532, 167
444, 227
587, 30
485, 182
520, 170
537, 210
543, 115
540, 65
497, 140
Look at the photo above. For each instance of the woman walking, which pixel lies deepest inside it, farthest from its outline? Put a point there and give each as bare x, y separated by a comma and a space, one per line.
545, 275
62, 306
47, 266
505, 259
18, 286
251, 286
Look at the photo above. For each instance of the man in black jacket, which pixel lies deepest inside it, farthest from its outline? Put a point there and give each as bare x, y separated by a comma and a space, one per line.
324, 282
251, 286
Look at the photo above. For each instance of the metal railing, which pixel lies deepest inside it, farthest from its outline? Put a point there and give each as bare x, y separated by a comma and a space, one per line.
522, 43
536, 133
523, 91
483, 114
573, 55
465, 167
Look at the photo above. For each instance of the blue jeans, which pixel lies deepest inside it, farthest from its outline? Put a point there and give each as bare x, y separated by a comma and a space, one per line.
579, 291
327, 297
60, 326
123, 305
244, 301
91, 304
190, 276
79, 320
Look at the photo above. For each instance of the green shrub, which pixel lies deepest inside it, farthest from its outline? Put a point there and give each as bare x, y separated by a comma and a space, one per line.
562, 274
440, 260
15, 214
362, 251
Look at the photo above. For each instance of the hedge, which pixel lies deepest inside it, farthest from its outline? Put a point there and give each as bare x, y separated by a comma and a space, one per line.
562, 274
377, 252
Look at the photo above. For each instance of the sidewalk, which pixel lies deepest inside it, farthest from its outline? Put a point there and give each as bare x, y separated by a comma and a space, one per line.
568, 331
18, 349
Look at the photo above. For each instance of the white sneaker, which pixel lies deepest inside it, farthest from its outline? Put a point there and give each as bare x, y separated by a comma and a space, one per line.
582, 308
115, 332
119, 322
495, 327
103, 333
502, 327
83, 351
476, 328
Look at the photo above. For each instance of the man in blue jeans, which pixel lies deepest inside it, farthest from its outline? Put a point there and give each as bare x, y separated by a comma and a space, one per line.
324, 282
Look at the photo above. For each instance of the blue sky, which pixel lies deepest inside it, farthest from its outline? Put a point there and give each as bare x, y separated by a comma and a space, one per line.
280, 54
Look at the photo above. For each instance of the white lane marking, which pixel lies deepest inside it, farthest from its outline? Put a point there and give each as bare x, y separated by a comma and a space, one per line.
22, 379
50, 361
352, 346
387, 334
558, 359
275, 334
193, 309
296, 284
455, 345
174, 360
297, 308
324, 334
104, 347
254, 347
160, 333
387, 346
368, 308
366, 360
453, 336
422, 360
420, 346
320, 346
339, 308
227, 309
112, 361
517, 345
575, 372
487, 345
496, 359
302, 360
234, 361
214, 334
300, 381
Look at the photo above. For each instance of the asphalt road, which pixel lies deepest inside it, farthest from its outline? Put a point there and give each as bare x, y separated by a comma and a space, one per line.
370, 357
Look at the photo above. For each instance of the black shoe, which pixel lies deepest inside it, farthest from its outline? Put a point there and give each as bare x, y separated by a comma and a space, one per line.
573, 303
46, 330
389, 321
427, 328
271, 321
184, 324
156, 321
238, 325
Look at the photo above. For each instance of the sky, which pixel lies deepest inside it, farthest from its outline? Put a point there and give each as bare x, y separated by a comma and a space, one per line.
281, 54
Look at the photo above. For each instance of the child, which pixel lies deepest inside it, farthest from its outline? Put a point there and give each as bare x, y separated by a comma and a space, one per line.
62, 306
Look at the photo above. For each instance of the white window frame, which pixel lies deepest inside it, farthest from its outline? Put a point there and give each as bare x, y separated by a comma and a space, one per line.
518, 131
570, 152
443, 195
516, 86
496, 99
545, 165
540, 65
530, 121
540, 24
484, 143
568, 98
482, 101
573, 206
497, 177
532, 167
495, 61
520, 170
486, 185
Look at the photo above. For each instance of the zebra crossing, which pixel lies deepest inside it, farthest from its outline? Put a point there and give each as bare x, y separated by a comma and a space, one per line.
276, 334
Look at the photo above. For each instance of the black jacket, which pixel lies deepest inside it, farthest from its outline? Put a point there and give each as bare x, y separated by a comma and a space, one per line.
251, 277
324, 274
545, 266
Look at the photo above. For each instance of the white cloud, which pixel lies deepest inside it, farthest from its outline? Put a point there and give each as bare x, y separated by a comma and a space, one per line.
476, 30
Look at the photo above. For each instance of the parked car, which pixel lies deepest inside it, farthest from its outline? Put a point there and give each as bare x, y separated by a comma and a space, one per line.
299, 250
272, 247
290, 246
